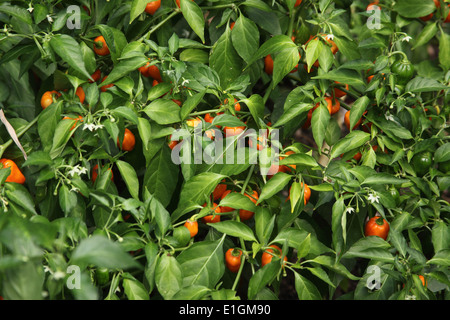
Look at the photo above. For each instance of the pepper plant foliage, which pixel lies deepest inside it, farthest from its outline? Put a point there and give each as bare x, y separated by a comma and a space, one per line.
65, 236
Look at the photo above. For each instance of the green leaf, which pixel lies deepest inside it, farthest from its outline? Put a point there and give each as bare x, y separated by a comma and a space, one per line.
304, 247
130, 177
414, 8
194, 17
259, 4
295, 195
285, 61
262, 277
326, 58
319, 123
274, 185
306, 290
348, 48
338, 228
194, 292
102, 252
271, 46
256, 106
383, 178
17, 12
38, 158
441, 258
134, 290
237, 201
225, 60
151, 250
168, 276
264, 223
357, 110
123, 68
125, 112
427, 33
67, 199
440, 236
442, 153
398, 241
321, 274
194, 192
293, 112
137, 8
161, 176
313, 51
194, 55
160, 215
295, 238
62, 135
371, 247
419, 84
70, 51
163, 111
115, 39
444, 50
23, 282
342, 75
245, 37
203, 263
330, 263
353, 140
191, 103
300, 159
227, 120
234, 229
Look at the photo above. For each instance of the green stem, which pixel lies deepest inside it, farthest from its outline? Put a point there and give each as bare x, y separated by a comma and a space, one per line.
249, 175
405, 57
241, 241
268, 92
238, 276
156, 27
291, 22
221, 6
346, 106
349, 92
199, 113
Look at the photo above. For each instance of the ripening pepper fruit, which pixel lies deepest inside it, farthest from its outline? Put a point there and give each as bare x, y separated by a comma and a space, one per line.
403, 70
16, 175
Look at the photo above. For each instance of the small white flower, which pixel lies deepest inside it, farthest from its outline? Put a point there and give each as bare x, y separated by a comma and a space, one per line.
59, 275
98, 126
47, 269
30, 8
406, 38
169, 72
89, 126
77, 170
410, 297
329, 36
49, 18
373, 198
185, 81
389, 117
350, 210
